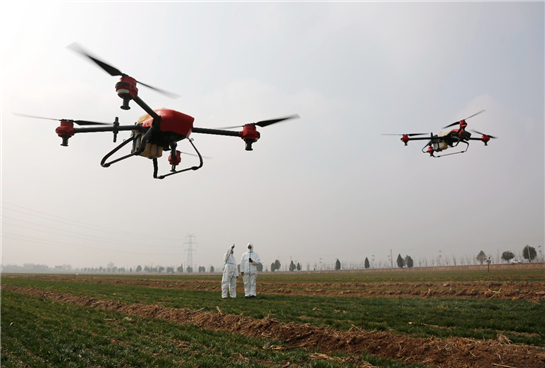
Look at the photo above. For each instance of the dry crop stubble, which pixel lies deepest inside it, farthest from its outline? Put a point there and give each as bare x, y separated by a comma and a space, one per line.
295, 333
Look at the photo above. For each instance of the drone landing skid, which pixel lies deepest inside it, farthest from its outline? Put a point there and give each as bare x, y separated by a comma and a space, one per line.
141, 149
173, 170
453, 153
103, 163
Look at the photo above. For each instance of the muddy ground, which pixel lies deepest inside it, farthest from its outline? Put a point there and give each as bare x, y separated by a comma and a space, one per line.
443, 353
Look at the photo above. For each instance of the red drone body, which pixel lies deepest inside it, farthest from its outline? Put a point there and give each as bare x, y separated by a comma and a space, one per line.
446, 139
160, 130
172, 122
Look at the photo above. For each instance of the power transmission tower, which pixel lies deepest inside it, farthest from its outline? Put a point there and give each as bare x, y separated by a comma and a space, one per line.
189, 250
391, 258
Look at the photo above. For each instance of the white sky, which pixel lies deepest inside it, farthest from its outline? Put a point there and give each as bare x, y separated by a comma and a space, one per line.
328, 185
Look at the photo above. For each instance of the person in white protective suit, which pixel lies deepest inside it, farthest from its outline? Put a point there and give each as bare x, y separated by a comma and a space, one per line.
248, 270
230, 274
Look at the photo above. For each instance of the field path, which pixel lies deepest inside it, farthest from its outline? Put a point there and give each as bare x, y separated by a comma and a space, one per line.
444, 353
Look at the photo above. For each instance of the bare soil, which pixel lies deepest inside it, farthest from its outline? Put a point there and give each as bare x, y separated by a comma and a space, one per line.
533, 291
443, 353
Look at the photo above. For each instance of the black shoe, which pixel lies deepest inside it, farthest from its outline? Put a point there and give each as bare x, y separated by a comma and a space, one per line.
248, 296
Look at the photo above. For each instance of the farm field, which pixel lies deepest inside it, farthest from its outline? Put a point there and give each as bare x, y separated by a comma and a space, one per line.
435, 317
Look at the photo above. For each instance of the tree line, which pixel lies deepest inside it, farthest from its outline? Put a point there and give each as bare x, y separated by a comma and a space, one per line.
529, 253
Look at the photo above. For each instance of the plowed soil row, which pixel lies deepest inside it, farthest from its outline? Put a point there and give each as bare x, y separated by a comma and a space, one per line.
529, 291
444, 353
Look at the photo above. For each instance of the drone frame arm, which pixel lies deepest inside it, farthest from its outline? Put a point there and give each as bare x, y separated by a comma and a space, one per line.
419, 138
108, 129
216, 132
149, 110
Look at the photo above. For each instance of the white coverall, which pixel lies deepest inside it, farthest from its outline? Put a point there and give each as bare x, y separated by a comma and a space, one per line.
230, 273
249, 271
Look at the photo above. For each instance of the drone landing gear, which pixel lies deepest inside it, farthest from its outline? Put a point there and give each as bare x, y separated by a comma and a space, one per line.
455, 153
103, 163
137, 152
432, 148
139, 149
174, 159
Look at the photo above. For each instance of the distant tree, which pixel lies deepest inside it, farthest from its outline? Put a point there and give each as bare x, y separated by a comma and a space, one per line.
160, 269
147, 269
409, 262
180, 269
366, 264
292, 266
189, 269
298, 266
277, 265
139, 268
337, 264
211, 269
400, 261
481, 257
273, 267
529, 253
507, 256
259, 267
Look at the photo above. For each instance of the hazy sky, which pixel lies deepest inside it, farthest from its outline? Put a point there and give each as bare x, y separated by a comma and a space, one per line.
328, 185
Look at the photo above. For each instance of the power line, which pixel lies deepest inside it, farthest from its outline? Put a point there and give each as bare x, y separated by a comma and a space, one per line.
26, 238
75, 234
75, 222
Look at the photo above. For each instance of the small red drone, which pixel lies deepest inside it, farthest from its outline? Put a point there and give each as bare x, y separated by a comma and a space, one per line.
447, 139
157, 131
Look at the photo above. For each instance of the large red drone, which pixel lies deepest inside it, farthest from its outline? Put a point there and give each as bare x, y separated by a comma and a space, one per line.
158, 131
448, 138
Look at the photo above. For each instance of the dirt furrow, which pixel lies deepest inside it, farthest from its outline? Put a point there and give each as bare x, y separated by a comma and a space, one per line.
513, 290
444, 353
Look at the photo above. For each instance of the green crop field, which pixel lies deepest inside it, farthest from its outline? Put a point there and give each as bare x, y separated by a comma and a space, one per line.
334, 319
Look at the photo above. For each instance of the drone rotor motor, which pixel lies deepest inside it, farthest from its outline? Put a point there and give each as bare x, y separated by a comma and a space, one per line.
126, 90
65, 131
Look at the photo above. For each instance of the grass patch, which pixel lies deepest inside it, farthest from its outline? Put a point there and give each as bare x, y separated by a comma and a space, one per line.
520, 321
38, 332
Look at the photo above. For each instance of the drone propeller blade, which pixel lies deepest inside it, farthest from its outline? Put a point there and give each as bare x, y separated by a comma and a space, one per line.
162, 91
453, 124
78, 122
264, 123
477, 113
489, 136
458, 122
114, 72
